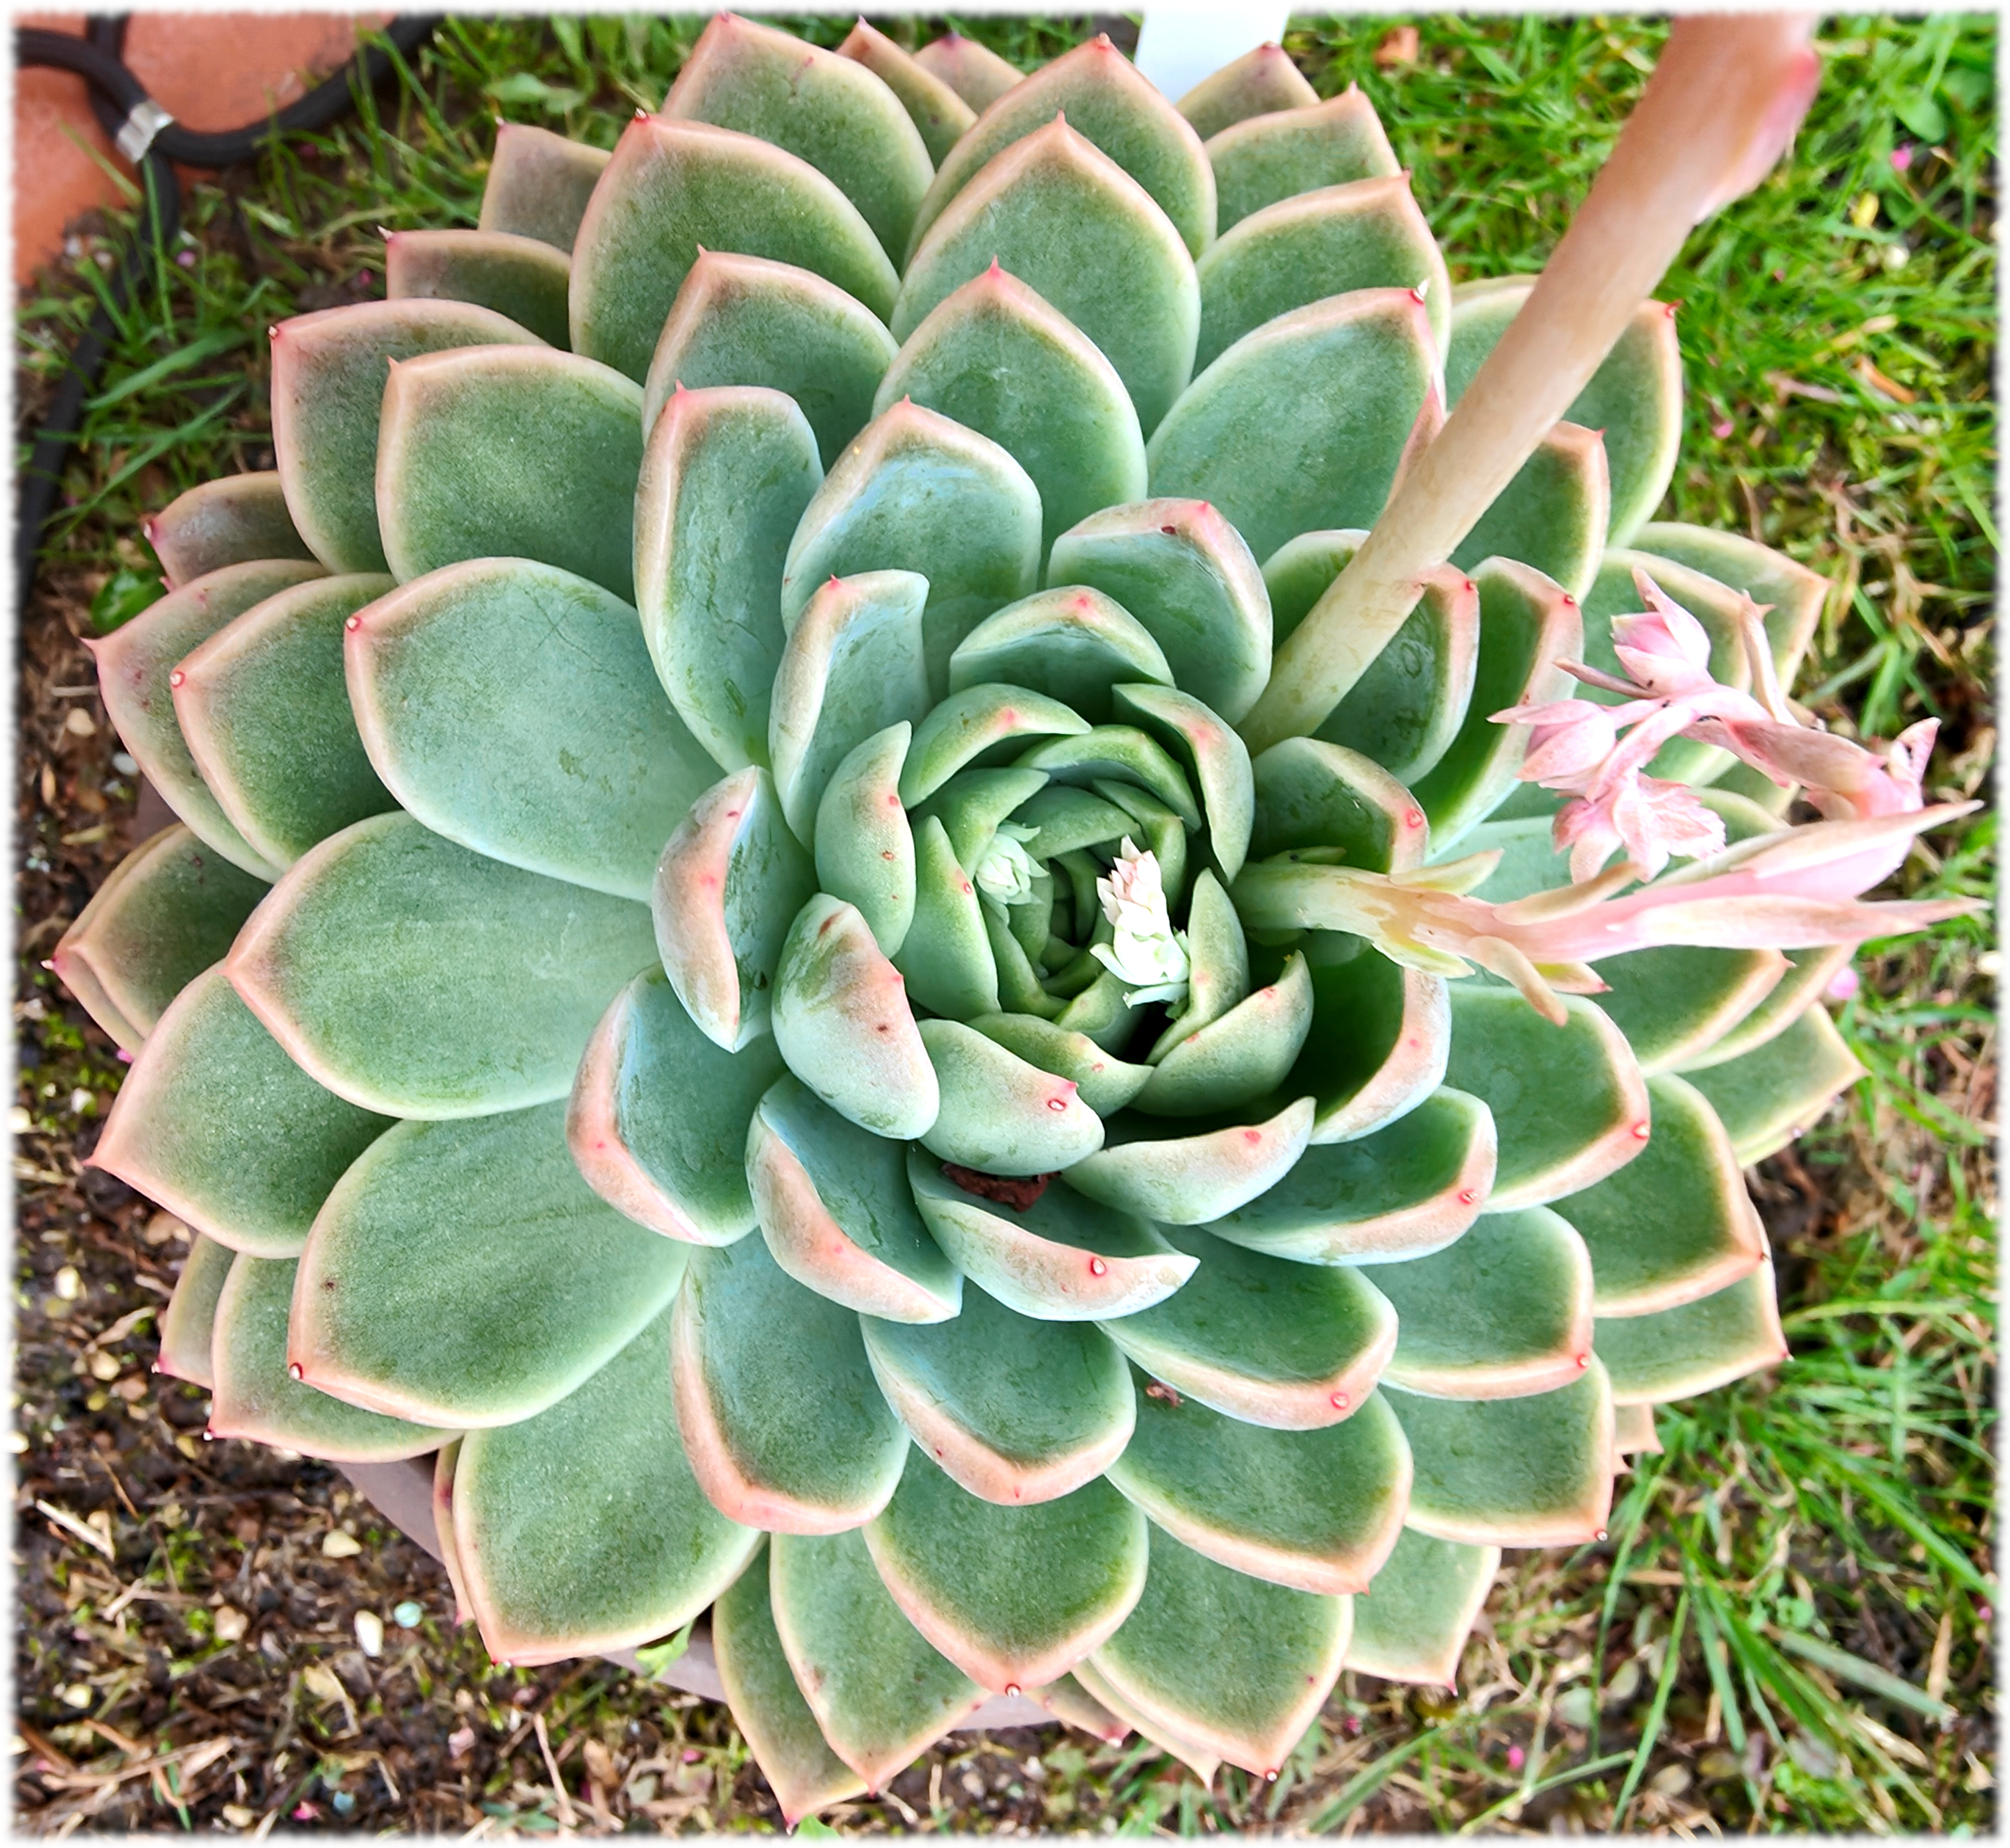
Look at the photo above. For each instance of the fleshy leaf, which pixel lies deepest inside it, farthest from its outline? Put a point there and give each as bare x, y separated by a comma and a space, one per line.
582, 1530
257, 1399
881, 1695
1672, 1001
1072, 644
188, 1321
999, 359
1217, 964
216, 1124
724, 479
526, 279
1317, 1510
1061, 1258
1409, 1190
1106, 1082
1294, 1347
744, 320
1413, 1624
1569, 1101
329, 371
413, 1287
931, 103
673, 188
731, 882
1676, 1222
1311, 794
1000, 1114
946, 957
539, 183
1257, 83
783, 1425
1305, 422
864, 843
1117, 755
1504, 1311
1534, 1472
1190, 1179
1015, 1410
1381, 1036
1014, 1595
1229, 1663
164, 913
231, 520
1074, 1705
1793, 595
1768, 1096
658, 1117
135, 665
1809, 973
1201, 1759
1676, 1353
465, 1015
975, 71
828, 111
1258, 160
1069, 223
1553, 515
1215, 756
986, 725
1245, 1055
1634, 1426
842, 1020
1188, 577
837, 1213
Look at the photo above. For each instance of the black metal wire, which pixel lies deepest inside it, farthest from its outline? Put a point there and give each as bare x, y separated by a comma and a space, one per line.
115, 93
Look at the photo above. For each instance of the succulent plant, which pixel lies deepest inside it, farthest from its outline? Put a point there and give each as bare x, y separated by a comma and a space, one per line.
725, 967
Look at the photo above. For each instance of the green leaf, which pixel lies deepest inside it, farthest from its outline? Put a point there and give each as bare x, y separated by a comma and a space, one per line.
1188, 577
1305, 422
1000, 1114
510, 452
582, 1530
659, 1113
1922, 116
1117, 755
1261, 158
974, 71
1107, 1083
1697, 1346
1381, 1036
1794, 595
731, 882
826, 110
1674, 1000
231, 520
742, 321
1423, 1604
1190, 1179
1017, 1411
1073, 645
1294, 1347
783, 1425
1809, 974
1055, 211
1768, 1096
1246, 1054
838, 1212
1203, 1762
674, 187
164, 913
188, 1321
984, 725
1408, 1189
1074, 1705
933, 105
946, 957
468, 1013
864, 843
124, 594
539, 183
1676, 1222
916, 492
523, 279
1213, 754
1257, 83
1014, 1595
1000, 360
216, 1124
329, 374
1312, 795
1234, 1664
1317, 1510
1062, 1258
656, 1658
1553, 515
1217, 965
724, 479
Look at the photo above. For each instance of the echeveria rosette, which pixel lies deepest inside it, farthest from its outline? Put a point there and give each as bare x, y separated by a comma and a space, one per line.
726, 968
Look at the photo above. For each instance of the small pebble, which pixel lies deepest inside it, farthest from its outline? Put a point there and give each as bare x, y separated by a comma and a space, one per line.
345, 1801
370, 1632
69, 1286
125, 764
407, 1615
335, 1544
231, 1623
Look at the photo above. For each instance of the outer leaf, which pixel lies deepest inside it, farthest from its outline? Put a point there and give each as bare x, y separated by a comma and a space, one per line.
781, 1418
658, 1117
1260, 159
1635, 1426
216, 1124
1062, 1258
524, 279
1015, 1596
998, 359
189, 1319
975, 71
539, 183
1409, 1190
134, 664
865, 845
1674, 1000
461, 1014
1188, 1180
724, 479
1766, 1097
1104, 98
1553, 515
257, 1399
1793, 595
1809, 973
1676, 1353
1532, 1472
444, 1462
1130, 1718
1317, 1510
329, 371
881, 1695
510, 707
1422, 1606
1294, 1347
1269, 1659
582, 1530
1256, 83
1075, 645
931, 103
673, 187
1017, 1412
1310, 794
1381, 1041
742, 321
1000, 1114
1083, 235
231, 520
828, 110
164, 913
1074, 1705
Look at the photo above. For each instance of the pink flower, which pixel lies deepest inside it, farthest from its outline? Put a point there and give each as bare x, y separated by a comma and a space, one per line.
1843, 984
1902, 157
1566, 735
1516, 1757
1664, 648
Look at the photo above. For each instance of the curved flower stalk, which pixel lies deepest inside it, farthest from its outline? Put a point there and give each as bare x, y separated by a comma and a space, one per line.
725, 971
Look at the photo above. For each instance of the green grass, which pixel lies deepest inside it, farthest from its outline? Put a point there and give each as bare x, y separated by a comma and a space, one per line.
1797, 1593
